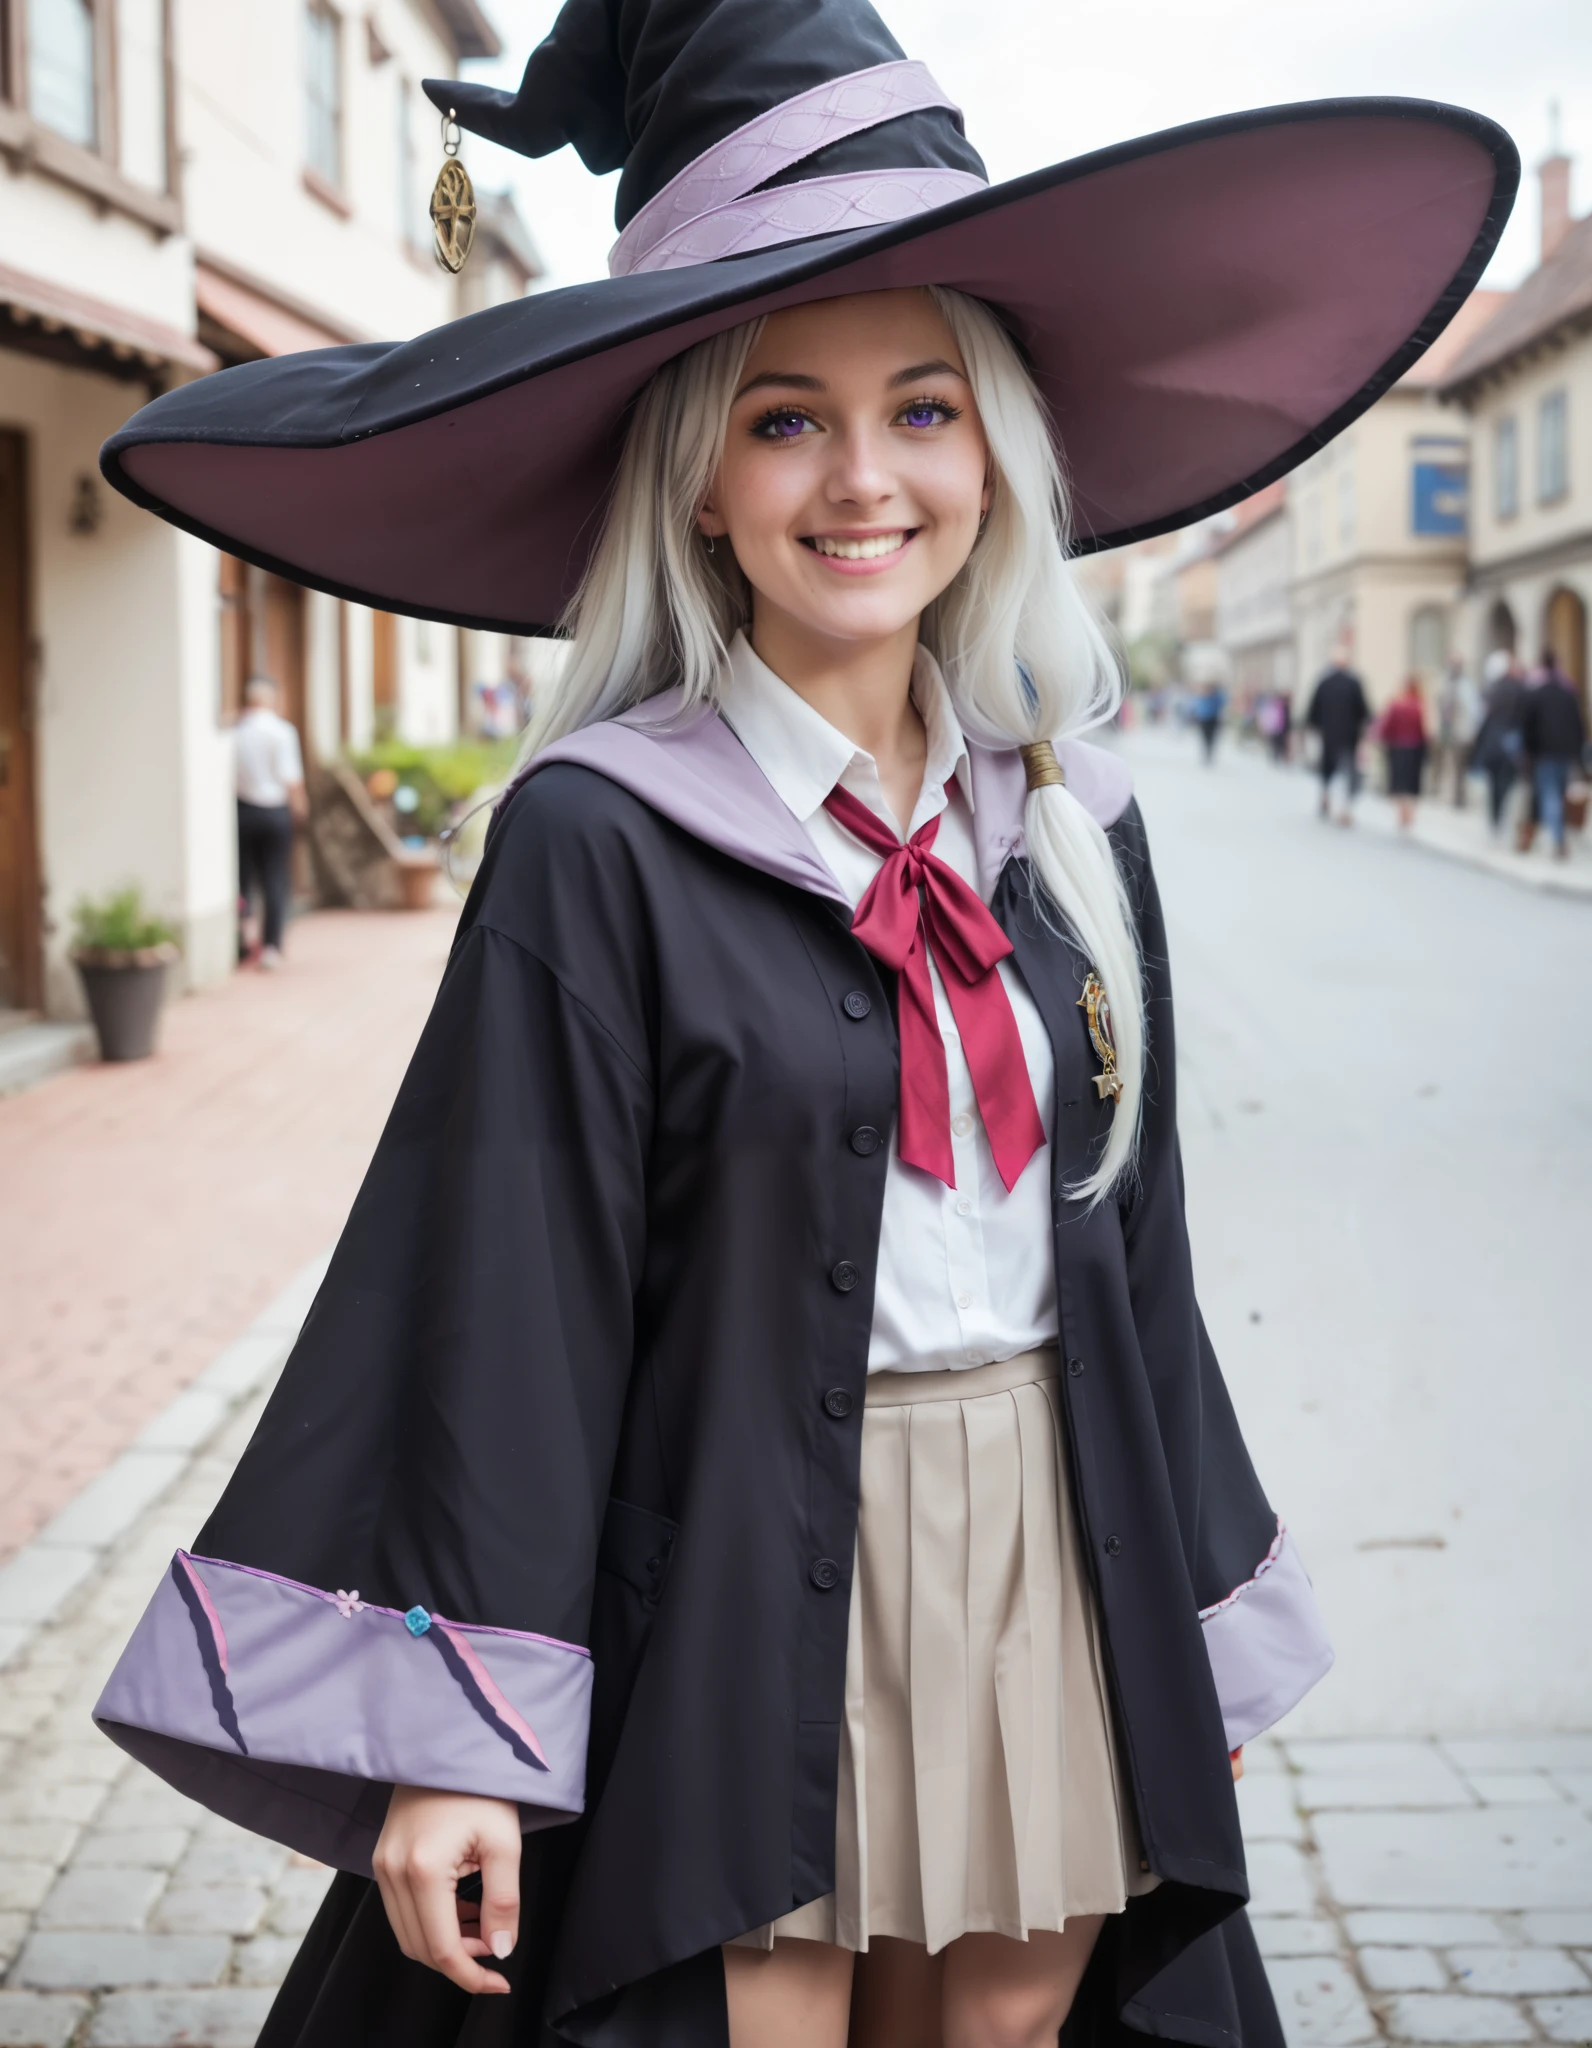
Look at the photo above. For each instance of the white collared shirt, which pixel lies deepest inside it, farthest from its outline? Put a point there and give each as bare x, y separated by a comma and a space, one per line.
966, 1274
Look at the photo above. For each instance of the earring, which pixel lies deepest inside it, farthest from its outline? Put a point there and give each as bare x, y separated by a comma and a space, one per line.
452, 203
709, 539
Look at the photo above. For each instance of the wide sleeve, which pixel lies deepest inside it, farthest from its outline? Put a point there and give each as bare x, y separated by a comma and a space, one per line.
396, 1585
1262, 1628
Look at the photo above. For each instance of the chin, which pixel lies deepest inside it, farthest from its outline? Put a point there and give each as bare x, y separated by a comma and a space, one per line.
862, 614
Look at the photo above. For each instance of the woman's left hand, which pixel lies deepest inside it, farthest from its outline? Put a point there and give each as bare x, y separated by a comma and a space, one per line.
1236, 1759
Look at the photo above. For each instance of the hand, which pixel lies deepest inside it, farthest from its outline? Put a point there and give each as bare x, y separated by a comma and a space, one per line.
1237, 1761
428, 1842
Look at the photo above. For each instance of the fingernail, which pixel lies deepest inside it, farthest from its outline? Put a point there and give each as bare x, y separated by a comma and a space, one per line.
502, 1943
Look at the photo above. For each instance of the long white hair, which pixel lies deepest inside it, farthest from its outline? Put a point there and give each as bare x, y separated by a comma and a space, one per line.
1023, 654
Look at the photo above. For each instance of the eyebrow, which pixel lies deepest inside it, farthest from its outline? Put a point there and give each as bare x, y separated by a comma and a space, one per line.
795, 380
938, 367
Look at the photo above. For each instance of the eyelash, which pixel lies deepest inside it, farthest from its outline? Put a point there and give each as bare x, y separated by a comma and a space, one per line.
762, 428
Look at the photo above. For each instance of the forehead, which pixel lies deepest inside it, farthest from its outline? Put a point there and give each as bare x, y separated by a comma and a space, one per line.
867, 331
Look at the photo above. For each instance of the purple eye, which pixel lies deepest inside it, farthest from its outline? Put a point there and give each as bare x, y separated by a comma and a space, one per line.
784, 426
923, 414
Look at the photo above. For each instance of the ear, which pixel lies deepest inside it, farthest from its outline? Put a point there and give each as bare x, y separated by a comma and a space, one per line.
710, 521
987, 494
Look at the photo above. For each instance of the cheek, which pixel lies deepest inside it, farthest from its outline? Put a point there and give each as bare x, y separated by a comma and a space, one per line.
760, 491
950, 484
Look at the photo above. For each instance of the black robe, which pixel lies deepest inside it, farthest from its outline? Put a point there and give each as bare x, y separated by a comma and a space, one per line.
587, 1372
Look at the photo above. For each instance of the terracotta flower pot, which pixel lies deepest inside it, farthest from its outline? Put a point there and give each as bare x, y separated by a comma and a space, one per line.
125, 992
417, 879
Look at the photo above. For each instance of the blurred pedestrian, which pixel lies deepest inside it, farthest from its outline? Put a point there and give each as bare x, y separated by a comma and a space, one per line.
1458, 715
1206, 714
1274, 718
1553, 736
270, 784
1339, 714
1497, 748
1402, 731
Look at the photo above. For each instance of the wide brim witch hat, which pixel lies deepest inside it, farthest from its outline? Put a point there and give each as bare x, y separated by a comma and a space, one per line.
1202, 308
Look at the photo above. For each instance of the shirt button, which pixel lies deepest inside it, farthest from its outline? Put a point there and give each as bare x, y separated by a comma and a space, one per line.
825, 1574
964, 1301
857, 1004
865, 1140
1113, 1546
844, 1276
964, 1207
1075, 1368
838, 1403
962, 1124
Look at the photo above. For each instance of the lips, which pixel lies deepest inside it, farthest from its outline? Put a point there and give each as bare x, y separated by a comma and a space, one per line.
865, 547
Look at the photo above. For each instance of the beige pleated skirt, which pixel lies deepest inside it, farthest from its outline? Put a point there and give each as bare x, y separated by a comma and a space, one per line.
979, 1790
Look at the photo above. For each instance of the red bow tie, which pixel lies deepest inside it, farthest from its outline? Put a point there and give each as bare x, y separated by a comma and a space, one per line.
915, 903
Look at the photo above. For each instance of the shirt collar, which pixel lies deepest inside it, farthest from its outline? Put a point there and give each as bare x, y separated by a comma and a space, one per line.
803, 756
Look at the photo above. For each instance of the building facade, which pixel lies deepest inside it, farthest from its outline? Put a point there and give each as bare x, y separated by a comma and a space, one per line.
1254, 613
1525, 388
189, 184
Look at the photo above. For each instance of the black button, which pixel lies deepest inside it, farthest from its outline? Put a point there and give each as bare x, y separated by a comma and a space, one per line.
1113, 1546
864, 1140
838, 1403
1075, 1368
845, 1276
857, 1004
825, 1574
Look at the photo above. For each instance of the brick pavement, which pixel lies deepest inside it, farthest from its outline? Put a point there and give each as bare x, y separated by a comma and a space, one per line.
148, 1211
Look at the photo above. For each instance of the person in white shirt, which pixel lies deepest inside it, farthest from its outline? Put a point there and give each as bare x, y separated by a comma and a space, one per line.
270, 785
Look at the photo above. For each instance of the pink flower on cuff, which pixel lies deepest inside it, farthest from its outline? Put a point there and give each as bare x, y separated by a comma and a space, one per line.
349, 1604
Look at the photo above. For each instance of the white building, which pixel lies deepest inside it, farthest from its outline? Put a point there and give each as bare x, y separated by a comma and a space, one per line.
1254, 614
188, 183
1525, 384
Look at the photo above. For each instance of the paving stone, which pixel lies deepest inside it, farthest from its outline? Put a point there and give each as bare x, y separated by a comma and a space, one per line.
66, 1962
1319, 2003
78, 1763
1575, 1785
1434, 1930
1263, 1757
1522, 1752
144, 1801
30, 1802
38, 1581
223, 1909
114, 1897
1266, 1808
1402, 1969
231, 2018
1564, 2019
1558, 1930
1355, 1757
264, 1960
13, 1933
297, 1899
1515, 1788
1425, 1778
152, 1848
28, 2020
21, 1714
1280, 1878
109, 1505
1492, 1860
23, 1885
234, 1859
1454, 2016
39, 1841
1294, 1934
1513, 1972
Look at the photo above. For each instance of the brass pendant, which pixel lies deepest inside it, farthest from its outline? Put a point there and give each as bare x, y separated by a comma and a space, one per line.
452, 204
1097, 1005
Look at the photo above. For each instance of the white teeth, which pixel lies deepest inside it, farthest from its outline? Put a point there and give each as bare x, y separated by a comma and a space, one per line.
860, 550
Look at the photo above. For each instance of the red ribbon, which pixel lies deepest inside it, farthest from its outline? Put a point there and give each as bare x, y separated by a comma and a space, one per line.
914, 904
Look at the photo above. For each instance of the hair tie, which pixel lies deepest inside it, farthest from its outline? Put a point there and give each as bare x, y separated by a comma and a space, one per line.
1041, 766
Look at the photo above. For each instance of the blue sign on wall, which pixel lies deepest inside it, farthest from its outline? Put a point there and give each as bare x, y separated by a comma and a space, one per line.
1440, 496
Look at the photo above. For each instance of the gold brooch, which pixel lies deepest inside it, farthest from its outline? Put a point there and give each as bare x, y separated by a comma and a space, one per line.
452, 203
1097, 1004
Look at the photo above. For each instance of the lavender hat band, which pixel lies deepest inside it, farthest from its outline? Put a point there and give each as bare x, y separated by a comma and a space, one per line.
714, 208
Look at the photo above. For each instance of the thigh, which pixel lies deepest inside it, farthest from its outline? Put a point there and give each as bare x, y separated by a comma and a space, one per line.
1014, 1994
896, 1997
796, 1995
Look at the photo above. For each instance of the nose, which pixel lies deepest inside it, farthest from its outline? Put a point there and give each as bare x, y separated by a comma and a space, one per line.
860, 474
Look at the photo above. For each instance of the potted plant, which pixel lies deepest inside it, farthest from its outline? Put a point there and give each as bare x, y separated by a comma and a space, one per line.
122, 953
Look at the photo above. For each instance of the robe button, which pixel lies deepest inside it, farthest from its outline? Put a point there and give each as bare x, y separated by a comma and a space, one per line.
1075, 1368
844, 1276
838, 1403
857, 1004
865, 1140
825, 1574
1113, 1546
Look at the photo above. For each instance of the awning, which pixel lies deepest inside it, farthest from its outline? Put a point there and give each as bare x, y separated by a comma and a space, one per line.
264, 323
95, 324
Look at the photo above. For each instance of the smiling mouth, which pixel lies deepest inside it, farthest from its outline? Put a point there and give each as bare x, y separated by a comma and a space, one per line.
865, 547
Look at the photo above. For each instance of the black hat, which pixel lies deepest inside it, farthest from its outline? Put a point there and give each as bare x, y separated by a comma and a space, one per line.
1202, 308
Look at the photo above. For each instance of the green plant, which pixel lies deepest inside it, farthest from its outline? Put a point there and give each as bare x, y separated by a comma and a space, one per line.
118, 923
440, 776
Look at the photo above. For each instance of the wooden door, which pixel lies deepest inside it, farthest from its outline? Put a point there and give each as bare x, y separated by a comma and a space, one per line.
384, 672
1567, 637
19, 872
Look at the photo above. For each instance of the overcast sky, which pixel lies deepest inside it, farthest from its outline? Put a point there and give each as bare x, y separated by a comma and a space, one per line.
1043, 80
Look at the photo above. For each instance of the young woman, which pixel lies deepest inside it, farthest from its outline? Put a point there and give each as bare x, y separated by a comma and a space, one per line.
752, 1547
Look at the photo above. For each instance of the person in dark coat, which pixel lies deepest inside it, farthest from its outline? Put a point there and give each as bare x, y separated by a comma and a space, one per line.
752, 1546
1553, 735
1402, 731
1339, 715
1497, 748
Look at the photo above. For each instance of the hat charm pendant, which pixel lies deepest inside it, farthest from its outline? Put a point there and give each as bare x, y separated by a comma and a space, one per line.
452, 204
1096, 1005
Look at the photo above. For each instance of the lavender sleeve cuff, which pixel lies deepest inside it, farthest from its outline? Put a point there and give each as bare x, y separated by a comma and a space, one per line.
293, 1711
1267, 1643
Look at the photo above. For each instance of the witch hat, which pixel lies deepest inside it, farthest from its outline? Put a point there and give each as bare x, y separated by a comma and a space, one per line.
1202, 308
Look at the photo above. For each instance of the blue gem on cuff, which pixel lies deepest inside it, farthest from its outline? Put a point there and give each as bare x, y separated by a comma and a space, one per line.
417, 1621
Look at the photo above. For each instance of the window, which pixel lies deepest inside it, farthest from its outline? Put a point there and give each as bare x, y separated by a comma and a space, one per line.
1439, 487
1506, 467
1553, 447
323, 92
141, 91
61, 80
1428, 642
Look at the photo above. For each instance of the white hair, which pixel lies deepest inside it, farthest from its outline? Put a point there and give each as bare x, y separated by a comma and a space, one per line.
1023, 654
